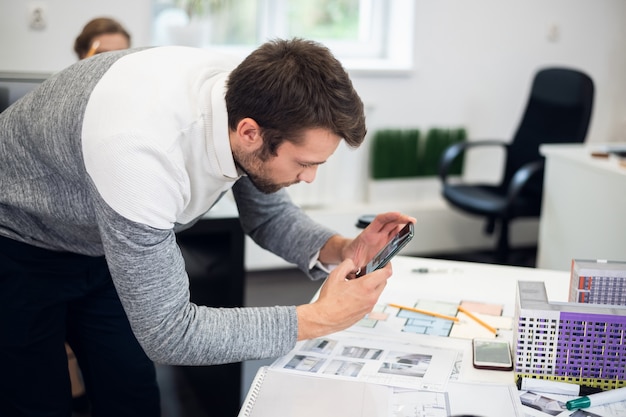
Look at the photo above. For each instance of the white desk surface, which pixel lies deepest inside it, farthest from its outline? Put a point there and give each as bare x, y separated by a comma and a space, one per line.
463, 281
582, 154
466, 281
453, 280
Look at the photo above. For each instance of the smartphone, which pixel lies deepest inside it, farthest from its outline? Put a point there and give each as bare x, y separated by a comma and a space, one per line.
494, 354
383, 257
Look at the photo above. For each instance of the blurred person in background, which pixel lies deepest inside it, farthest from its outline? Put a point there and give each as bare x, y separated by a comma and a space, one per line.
101, 34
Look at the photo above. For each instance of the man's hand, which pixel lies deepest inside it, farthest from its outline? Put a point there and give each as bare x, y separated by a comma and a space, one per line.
341, 302
374, 237
367, 244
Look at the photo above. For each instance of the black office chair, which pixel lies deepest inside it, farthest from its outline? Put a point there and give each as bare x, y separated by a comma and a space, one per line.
558, 111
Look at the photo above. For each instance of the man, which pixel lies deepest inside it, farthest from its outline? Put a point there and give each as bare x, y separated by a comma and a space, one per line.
101, 165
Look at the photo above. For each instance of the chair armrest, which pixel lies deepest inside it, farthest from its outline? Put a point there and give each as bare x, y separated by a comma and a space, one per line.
521, 178
453, 151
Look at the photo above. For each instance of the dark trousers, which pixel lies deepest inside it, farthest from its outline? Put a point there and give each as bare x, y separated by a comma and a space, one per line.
47, 298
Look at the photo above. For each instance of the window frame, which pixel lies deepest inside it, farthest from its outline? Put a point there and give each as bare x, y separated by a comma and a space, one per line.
388, 47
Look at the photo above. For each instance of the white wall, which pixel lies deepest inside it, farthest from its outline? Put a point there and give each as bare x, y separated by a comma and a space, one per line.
474, 61
473, 64
52, 48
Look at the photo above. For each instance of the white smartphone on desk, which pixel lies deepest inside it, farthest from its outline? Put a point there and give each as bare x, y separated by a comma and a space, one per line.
494, 354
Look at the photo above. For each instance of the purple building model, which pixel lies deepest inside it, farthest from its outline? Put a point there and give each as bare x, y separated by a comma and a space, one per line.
570, 342
598, 282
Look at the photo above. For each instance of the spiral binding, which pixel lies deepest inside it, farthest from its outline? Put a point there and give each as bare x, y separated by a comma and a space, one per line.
254, 392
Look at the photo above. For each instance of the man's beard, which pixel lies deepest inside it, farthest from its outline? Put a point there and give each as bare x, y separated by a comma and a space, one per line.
246, 163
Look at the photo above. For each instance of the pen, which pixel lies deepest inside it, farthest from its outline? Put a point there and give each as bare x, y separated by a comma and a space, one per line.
477, 320
554, 387
428, 313
600, 398
423, 270
93, 49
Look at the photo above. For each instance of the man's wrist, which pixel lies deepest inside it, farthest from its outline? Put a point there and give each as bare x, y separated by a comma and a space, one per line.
311, 324
332, 251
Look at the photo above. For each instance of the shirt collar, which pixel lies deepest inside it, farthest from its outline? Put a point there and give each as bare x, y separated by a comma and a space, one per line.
220, 140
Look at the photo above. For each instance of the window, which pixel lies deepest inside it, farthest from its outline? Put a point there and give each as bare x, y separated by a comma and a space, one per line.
363, 34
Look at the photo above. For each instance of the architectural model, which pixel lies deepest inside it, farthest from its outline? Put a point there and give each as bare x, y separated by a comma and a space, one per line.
598, 282
569, 342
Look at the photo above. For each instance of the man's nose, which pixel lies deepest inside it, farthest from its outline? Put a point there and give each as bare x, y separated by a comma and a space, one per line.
308, 175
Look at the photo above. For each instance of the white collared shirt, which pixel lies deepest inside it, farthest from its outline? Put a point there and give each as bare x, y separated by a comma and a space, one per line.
163, 156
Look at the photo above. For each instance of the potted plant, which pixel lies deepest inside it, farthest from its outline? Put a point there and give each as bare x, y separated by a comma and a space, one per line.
190, 22
200, 8
404, 166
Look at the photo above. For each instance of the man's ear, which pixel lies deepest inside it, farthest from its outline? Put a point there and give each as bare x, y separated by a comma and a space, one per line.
249, 134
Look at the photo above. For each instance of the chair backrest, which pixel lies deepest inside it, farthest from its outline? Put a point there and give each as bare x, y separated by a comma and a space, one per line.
558, 111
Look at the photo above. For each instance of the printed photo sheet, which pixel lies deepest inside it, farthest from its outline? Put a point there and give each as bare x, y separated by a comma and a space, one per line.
391, 363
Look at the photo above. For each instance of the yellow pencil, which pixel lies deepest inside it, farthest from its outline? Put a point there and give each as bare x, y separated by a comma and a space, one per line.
477, 320
428, 313
93, 49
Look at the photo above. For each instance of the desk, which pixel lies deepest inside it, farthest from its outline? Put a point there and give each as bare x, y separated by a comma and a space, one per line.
460, 281
583, 210
470, 281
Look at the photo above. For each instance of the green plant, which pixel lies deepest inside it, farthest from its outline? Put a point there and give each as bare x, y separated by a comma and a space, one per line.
455, 136
437, 141
200, 7
394, 153
398, 153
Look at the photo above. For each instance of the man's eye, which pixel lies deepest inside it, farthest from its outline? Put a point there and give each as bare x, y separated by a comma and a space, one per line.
304, 165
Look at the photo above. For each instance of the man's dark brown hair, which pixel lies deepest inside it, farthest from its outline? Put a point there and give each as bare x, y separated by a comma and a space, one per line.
289, 86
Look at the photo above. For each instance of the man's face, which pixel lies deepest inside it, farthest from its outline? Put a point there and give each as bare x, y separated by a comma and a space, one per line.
292, 164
